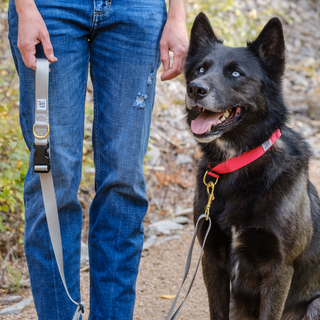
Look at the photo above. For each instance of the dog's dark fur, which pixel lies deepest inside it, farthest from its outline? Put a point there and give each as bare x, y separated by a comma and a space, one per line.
265, 239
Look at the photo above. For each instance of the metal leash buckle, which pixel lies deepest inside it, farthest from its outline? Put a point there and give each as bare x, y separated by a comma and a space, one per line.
209, 185
41, 137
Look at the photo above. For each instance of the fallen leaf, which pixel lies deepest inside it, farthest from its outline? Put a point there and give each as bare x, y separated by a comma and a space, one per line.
167, 296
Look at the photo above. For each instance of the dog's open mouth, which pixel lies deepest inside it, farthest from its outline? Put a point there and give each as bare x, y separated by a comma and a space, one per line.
209, 122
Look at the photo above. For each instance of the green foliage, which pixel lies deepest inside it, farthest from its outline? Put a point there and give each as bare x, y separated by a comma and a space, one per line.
231, 22
4, 5
13, 153
15, 277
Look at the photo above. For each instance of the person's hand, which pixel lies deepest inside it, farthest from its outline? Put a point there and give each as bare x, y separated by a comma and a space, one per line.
175, 39
31, 31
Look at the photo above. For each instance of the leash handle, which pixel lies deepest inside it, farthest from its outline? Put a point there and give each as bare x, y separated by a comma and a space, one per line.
171, 315
41, 132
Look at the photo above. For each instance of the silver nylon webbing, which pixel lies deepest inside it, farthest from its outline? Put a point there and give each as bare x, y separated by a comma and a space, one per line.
187, 268
41, 133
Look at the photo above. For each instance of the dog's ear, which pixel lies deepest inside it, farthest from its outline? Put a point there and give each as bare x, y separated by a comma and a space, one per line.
270, 46
202, 34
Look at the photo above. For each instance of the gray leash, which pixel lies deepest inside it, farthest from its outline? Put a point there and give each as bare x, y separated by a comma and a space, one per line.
170, 315
41, 130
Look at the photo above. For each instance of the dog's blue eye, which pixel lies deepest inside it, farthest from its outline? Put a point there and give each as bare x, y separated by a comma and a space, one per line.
236, 74
201, 70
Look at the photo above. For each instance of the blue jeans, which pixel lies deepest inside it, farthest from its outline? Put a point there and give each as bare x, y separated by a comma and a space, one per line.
119, 40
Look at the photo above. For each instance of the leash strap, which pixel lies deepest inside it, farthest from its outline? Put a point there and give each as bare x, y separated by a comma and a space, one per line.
171, 315
41, 132
236, 163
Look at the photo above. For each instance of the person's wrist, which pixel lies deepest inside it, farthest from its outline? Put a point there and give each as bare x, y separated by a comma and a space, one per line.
177, 10
25, 6
178, 17
177, 21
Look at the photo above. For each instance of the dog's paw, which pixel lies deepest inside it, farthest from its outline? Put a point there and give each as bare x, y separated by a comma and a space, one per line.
313, 311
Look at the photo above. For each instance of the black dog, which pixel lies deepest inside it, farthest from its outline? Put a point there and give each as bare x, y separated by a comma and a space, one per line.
262, 256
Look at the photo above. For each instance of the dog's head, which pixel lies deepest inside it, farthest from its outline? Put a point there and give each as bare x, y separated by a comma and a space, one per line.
234, 94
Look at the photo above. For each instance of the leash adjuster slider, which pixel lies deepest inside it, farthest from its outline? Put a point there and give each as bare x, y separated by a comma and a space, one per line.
209, 185
41, 159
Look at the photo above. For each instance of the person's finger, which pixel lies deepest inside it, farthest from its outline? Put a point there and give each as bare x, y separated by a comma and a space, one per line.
47, 46
164, 55
176, 68
29, 59
28, 52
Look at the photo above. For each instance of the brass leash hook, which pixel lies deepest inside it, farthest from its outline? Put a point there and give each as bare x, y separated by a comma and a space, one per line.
209, 186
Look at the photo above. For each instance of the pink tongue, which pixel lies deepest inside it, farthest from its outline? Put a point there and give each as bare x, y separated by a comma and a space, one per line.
205, 120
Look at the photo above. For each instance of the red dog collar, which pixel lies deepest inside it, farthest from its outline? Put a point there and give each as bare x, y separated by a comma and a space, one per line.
236, 163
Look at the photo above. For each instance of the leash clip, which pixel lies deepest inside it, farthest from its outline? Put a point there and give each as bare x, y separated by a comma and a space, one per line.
210, 185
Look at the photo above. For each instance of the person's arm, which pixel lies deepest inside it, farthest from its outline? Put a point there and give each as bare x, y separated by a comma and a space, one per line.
174, 38
31, 31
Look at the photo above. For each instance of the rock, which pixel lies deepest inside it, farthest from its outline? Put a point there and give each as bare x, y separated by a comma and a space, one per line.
153, 155
181, 220
165, 239
25, 283
183, 158
177, 90
300, 81
150, 242
309, 62
17, 308
313, 100
90, 170
155, 241
163, 227
316, 151
184, 212
84, 253
10, 299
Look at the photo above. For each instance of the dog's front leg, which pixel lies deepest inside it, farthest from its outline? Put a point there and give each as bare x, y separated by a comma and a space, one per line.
217, 281
274, 291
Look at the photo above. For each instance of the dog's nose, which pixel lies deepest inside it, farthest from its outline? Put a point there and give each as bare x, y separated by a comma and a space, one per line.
197, 90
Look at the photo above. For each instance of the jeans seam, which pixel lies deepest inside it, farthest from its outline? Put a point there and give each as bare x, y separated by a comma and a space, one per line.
116, 260
105, 11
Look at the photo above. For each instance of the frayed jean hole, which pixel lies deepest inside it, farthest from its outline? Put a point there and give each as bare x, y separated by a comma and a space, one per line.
140, 100
150, 79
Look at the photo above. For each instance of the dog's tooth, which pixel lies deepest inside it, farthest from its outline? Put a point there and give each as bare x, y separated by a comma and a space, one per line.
223, 118
226, 114
219, 121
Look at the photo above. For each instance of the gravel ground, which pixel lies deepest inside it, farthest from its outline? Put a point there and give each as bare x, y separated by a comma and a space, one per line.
171, 161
